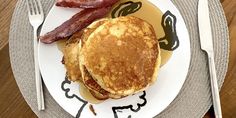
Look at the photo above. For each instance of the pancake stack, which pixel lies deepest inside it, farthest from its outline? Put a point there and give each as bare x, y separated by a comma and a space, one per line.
116, 57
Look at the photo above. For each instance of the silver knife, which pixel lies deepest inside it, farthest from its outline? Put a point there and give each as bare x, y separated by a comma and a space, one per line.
204, 25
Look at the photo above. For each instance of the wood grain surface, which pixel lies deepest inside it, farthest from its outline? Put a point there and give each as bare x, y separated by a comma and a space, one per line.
13, 105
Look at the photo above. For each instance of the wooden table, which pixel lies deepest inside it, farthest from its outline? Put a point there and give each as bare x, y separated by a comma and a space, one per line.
12, 104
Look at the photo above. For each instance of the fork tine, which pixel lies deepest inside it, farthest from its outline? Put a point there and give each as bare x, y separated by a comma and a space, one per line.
35, 6
31, 6
40, 6
28, 7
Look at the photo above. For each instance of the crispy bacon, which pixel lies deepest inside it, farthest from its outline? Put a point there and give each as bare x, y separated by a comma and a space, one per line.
85, 3
76, 23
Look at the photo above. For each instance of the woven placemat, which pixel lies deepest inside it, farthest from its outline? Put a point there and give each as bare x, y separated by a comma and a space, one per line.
194, 98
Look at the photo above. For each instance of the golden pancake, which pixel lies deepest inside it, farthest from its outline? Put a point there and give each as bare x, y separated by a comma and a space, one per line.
71, 59
122, 55
95, 89
71, 52
88, 80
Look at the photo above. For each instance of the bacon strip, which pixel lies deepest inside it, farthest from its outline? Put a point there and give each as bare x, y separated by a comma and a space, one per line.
85, 3
76, 23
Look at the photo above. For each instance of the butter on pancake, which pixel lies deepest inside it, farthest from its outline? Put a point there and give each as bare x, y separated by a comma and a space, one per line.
122, 55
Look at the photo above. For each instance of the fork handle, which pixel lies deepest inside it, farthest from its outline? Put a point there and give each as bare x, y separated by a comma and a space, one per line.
38, 80
214, 86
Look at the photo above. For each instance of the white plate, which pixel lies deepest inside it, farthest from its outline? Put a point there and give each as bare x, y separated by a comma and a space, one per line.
144, 104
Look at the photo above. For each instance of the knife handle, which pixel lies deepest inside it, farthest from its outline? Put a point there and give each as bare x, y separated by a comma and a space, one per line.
214, 86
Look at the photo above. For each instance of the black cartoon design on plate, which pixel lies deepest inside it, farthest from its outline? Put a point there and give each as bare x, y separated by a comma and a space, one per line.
72, 96
126, 8
70, 93
170, 41
130, 107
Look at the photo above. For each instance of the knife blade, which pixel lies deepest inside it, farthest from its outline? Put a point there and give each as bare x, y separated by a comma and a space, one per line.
206, 41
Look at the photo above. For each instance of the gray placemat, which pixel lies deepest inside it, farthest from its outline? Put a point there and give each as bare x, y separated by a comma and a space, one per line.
194, 99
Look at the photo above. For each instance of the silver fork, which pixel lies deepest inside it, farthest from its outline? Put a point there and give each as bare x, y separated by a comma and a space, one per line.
36, 18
